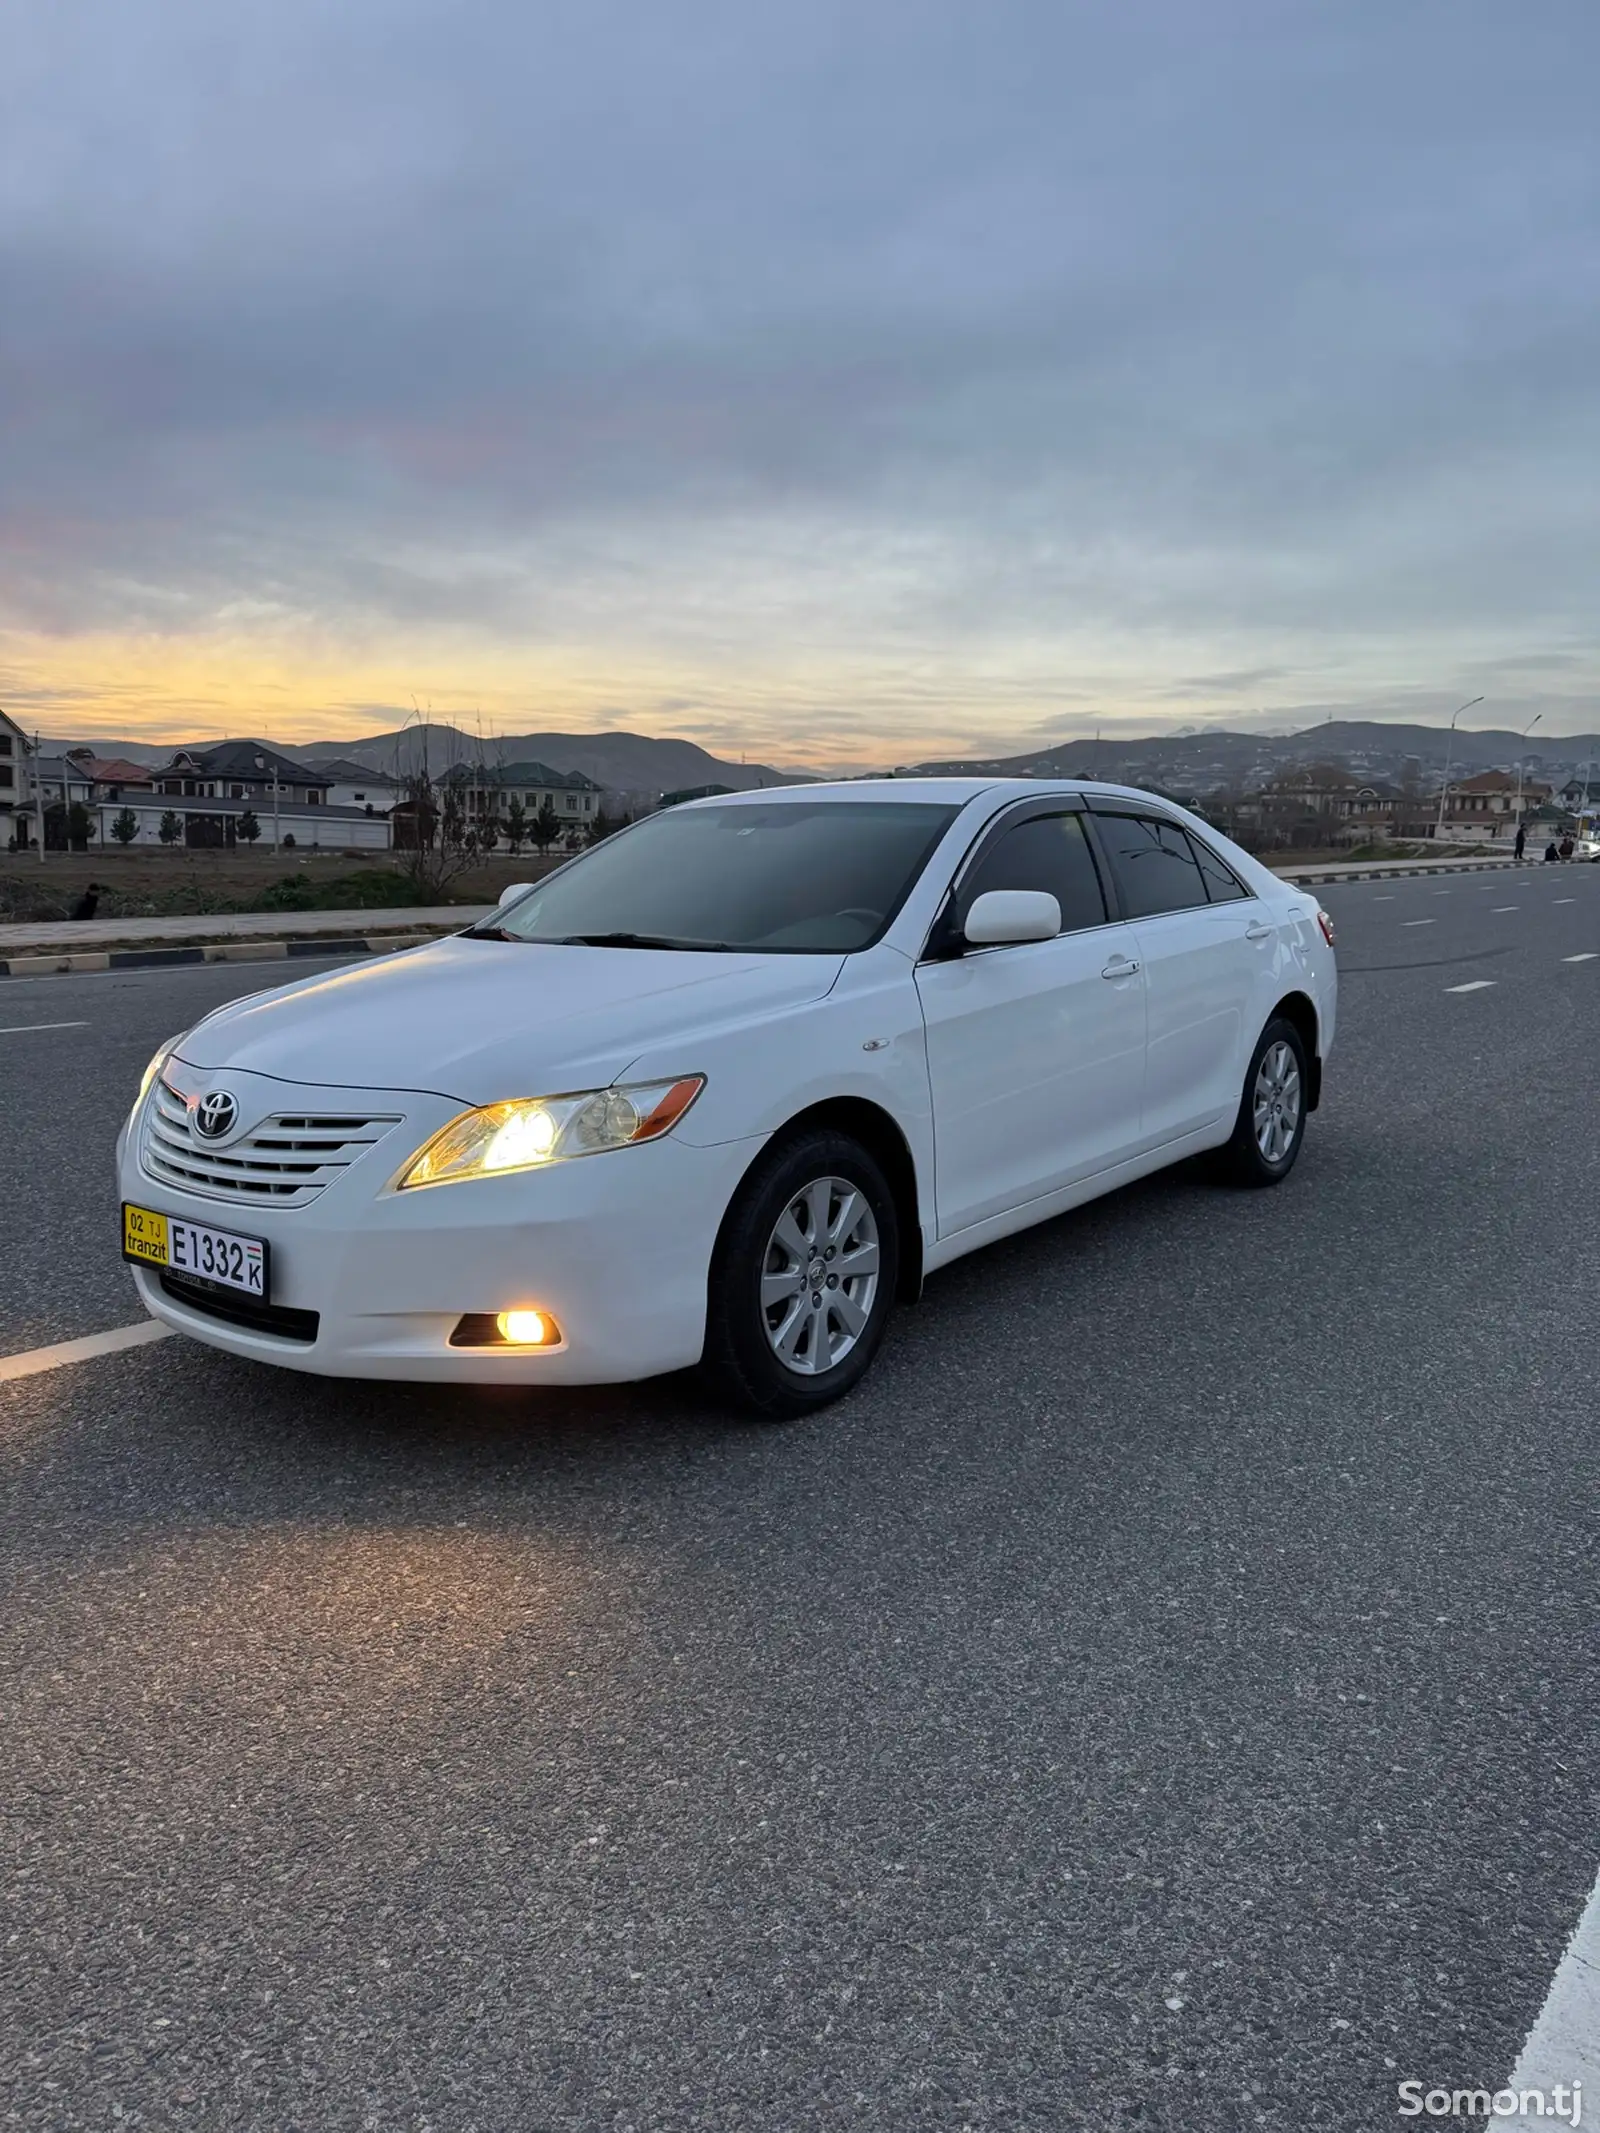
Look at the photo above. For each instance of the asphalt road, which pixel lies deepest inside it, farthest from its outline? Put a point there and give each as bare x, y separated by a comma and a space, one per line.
71, 1054
1165, 1696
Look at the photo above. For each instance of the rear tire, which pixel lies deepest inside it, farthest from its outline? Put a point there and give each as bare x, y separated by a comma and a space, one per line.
1272, 1110
803, 1278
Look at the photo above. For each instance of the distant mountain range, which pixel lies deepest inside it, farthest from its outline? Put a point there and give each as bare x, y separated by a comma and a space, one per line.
633, 766
621, 762
1217, 761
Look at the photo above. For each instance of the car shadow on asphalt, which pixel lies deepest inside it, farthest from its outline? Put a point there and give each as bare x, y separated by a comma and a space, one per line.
201, 1433
1063, 1335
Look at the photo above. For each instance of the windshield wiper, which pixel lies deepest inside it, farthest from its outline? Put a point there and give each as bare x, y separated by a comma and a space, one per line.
489, 933
633, 940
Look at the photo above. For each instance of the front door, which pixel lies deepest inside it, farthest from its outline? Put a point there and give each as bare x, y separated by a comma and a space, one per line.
1035, 1052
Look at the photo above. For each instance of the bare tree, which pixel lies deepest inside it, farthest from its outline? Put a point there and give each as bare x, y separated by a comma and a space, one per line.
433, 836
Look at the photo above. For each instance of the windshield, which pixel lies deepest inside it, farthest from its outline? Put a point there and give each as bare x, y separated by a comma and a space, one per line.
794, 877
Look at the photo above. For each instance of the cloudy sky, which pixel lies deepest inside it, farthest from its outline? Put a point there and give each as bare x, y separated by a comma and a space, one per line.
833, 382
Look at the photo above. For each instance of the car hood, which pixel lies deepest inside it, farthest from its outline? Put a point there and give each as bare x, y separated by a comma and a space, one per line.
479, 1020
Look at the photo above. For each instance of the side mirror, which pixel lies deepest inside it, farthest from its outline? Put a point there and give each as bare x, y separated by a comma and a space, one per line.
517, 888
1003, 917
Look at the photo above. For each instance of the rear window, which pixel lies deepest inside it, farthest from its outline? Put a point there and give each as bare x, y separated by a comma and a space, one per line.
1154, 863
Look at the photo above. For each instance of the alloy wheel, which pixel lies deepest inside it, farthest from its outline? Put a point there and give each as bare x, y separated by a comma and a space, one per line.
819, 1276
1275, 1102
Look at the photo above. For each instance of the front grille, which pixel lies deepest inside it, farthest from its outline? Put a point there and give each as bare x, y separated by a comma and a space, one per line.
287, 1324
286, 1161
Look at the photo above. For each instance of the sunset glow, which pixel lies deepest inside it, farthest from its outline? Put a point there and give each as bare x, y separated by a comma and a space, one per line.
988, 392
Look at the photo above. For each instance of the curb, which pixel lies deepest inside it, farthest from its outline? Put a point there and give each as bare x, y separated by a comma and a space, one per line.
44, 966
1382, 872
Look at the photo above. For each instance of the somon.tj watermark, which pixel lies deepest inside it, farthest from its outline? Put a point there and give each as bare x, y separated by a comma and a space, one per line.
1563, 2101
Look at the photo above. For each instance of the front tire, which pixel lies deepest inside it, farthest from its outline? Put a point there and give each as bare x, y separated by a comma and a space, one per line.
803, 1279
1272, 1110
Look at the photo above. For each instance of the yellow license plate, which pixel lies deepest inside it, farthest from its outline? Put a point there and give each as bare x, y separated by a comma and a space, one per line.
144, 1235
212, 1258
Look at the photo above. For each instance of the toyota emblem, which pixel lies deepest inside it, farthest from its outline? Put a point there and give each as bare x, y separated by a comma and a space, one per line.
216, 1114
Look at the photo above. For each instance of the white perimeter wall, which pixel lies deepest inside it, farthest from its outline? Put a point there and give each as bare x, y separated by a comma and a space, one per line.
310, 828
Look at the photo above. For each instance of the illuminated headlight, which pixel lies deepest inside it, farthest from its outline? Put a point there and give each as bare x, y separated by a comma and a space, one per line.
155, 1066
537, 1130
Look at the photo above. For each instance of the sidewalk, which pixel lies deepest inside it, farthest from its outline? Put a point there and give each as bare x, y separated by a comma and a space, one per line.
60, 948
231, 926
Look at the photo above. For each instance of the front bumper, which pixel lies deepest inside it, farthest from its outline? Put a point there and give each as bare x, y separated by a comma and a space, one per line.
617, 1248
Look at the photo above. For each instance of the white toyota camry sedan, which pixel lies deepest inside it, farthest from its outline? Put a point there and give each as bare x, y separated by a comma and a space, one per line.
726, 1088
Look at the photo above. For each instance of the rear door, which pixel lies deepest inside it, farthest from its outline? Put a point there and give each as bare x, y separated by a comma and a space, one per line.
1035, 1052
1207, 946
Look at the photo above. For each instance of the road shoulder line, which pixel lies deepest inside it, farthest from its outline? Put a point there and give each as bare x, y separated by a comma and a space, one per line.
1564, 2043
34, 1360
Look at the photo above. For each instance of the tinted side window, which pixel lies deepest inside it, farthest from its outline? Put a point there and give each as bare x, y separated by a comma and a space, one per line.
1154, 864
1048, 852
1222, 885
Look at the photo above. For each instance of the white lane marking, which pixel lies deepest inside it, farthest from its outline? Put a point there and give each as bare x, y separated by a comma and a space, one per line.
32, 1360
1441, 892
1496, 909
1564, 2043
1383, 899
22, 1029
1475, 985
1586, 958
1416, 922
1564, 899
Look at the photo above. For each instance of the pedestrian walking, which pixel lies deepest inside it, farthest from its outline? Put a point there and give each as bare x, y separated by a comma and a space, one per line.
1522, 840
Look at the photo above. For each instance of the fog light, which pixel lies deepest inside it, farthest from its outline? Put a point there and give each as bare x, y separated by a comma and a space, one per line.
525, 1329
522, 1328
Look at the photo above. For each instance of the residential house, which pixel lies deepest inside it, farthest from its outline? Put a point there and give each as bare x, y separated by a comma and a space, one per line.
115, 775
1487, 804
15, 794
1581, 794
30, 781
487, 790
352, 784
1322, 803
63, 779
240, 770
57, 782
574, 799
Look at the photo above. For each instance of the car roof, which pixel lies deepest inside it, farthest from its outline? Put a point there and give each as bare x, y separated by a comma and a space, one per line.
946, 791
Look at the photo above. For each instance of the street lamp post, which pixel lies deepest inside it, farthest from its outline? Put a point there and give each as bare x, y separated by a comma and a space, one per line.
1522, 762
1448, 748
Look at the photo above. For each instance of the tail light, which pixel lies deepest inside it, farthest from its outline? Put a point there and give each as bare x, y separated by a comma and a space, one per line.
1326, 924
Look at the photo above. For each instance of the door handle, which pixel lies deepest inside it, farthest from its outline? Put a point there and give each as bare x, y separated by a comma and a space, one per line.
1259, 931
1123, 967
